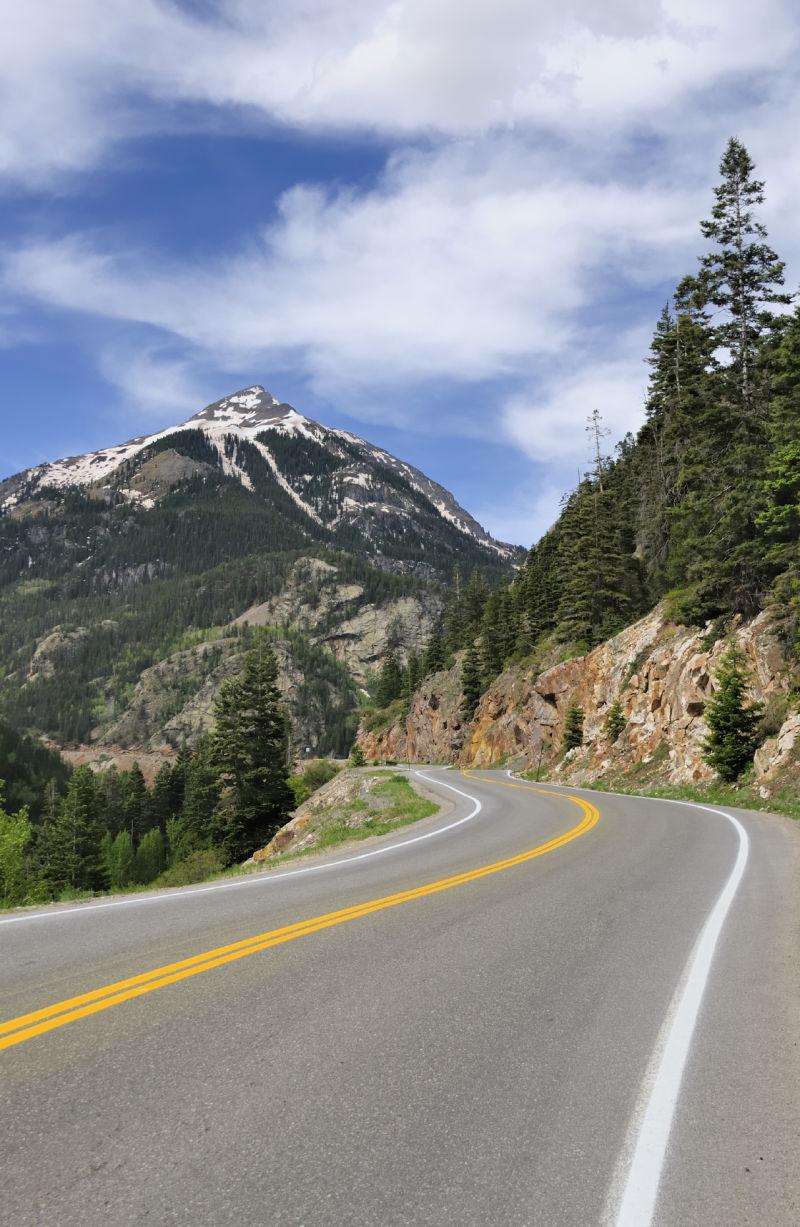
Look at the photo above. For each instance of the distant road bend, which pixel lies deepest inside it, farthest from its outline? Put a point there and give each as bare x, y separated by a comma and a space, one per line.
542, 1006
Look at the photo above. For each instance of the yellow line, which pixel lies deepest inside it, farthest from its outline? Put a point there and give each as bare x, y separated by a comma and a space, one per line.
38, 1022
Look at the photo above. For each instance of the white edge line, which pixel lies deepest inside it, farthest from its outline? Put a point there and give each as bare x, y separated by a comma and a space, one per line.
634, 1190
631, 1201
262, 879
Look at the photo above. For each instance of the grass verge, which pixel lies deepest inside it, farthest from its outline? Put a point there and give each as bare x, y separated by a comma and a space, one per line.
402, 806
745, 796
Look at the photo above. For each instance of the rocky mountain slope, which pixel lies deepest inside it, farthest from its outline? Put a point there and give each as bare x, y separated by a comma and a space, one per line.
336, 480
663, 676
132, 578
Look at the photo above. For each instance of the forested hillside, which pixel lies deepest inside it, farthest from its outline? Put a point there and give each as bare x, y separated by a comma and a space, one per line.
702, 507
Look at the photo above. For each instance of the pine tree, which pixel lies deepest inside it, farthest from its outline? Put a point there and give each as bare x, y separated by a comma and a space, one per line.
390, 681
573, 727
543, 577
731, 720
740, 277
110, 800
69, 843
455, 617
166, 795
615, 721
471, 682
201, 796
476, 595
135, 801
250, 743
414, 671
742, 273
493, 640
434, 658
779, 519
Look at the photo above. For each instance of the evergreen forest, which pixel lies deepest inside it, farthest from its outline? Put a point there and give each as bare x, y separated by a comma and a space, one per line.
63, 834
700, 509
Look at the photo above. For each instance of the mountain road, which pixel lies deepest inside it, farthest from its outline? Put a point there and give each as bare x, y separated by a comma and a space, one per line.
541, 1006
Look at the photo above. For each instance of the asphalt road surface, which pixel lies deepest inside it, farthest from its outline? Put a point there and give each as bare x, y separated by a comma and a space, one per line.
538, 1007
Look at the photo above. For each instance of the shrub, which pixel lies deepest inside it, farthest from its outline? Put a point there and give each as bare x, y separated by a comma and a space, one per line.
316, 773
196, 867
776, 709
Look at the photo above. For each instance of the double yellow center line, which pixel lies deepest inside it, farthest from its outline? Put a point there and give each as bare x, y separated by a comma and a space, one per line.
38, 1022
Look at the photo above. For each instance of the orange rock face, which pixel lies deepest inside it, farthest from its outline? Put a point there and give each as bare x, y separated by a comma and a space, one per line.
662, 676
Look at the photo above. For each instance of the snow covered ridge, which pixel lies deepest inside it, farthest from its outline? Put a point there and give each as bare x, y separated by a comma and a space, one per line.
246, 414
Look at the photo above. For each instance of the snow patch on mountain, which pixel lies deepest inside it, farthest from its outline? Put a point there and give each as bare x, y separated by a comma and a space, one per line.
247, 414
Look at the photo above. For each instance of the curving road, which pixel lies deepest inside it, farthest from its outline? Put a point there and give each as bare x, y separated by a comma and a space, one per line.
539, 1007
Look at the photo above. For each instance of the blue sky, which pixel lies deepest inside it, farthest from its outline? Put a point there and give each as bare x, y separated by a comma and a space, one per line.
449, 228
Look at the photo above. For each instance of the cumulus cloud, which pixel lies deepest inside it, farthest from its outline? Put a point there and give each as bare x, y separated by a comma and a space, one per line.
549, 423
466, 263
77, 78
546, 169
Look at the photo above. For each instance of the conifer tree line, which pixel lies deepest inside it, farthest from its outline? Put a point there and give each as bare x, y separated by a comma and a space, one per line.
208, 808
701, 508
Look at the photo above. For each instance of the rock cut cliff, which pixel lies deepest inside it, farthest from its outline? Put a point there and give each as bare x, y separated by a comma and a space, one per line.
661, 673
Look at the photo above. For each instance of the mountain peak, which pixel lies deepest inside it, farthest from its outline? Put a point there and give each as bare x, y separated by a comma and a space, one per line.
249, 410
354, 489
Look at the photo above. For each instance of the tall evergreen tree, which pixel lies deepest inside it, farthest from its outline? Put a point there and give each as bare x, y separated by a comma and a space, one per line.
779, 519
250, 744
390, 681
476, 594
455, 617
471, 682
434, 657
732, 721
201, 795
715, 553
69, 844
741, 274
135, 801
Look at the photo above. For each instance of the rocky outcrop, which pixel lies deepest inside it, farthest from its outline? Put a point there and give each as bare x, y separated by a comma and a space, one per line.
662, 675
173, 701
314, 599
54, 650
433, 731
103, 758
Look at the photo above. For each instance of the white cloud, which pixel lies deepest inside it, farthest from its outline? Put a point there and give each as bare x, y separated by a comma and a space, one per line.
156, 383
77, 78
550, 426
467, 263
567, 154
